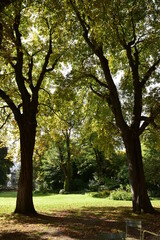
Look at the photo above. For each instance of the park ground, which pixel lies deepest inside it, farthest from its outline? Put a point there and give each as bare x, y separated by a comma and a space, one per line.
72, 216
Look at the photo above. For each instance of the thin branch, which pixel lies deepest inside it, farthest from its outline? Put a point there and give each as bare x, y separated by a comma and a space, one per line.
52, 109
46, 91
149, 72
99, 94
12, 64
5, 106
10, 103
149, 120
5, 121
54, 64
134, 31
18, 34
44, 68
97, 80
19, 65
86, 29
30, 73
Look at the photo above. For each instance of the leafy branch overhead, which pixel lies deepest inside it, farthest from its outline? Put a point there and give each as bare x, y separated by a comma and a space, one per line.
28, 83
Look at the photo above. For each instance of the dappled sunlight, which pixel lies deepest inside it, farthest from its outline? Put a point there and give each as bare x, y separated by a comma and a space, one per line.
82, 223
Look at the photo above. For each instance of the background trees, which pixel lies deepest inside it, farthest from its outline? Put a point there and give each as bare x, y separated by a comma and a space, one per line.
5, 164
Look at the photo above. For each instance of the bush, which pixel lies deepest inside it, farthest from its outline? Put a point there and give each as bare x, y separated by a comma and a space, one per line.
101, 194
110, 183
121, 194
93, 185
78, 185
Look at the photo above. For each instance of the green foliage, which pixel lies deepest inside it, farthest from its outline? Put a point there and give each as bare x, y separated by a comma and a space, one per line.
121, 193
151, 156
49, 176
5, 165
101, 194
79, 184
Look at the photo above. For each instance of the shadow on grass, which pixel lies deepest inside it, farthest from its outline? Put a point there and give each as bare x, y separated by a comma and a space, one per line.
17, 235
8, 194
85, 223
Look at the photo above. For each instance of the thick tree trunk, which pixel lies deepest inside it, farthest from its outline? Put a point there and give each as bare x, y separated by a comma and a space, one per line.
140, 199
24, 204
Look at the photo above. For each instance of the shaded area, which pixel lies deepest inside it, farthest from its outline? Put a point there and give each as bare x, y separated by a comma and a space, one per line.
86, 223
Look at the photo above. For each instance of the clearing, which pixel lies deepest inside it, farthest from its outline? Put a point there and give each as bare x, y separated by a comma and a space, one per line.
71, 216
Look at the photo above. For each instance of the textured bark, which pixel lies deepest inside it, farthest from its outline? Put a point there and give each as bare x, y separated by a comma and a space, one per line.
24, 204
140, 199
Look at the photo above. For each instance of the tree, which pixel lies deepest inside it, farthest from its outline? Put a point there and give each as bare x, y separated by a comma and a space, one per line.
151, 156
65, 119
123, 35
5, 164
23, 71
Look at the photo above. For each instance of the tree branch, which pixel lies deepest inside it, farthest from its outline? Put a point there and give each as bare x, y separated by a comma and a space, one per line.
86, 29
46, 91
103, 96
97, 80
149, 120
149, 72
5, 121
54, 64
30, 73
19, 65
44, 68
99, 94
10, 103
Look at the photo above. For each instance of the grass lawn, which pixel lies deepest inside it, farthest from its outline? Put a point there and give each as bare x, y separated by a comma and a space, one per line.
72, 216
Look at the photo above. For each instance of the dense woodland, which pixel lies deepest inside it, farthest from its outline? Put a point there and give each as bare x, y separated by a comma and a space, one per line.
79, 92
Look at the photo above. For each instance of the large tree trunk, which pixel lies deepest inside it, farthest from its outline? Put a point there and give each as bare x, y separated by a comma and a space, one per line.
24, 204
140, 197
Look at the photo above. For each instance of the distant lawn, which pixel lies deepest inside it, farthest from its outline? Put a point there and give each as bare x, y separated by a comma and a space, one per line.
46, 203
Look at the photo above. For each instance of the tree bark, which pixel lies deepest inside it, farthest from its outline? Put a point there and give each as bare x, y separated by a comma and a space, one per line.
140, 198
100, 163
66, 165
24, 204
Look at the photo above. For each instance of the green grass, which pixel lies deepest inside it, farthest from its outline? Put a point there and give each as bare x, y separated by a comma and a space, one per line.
77, 216
58, 202
72, 202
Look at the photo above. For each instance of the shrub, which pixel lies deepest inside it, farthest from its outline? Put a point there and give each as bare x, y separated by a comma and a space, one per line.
101, 194
121, 194
78, 185
93, 185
